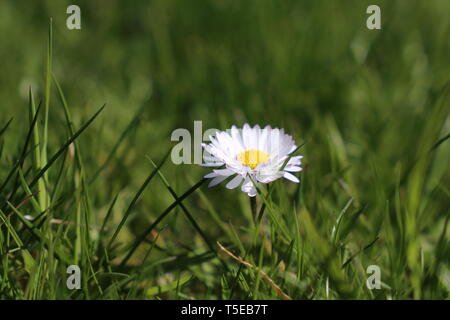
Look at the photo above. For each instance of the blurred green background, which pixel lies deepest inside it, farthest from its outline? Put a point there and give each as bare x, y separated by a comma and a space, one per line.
369, 105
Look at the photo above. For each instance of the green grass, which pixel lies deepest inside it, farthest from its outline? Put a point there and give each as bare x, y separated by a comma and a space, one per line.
85, 124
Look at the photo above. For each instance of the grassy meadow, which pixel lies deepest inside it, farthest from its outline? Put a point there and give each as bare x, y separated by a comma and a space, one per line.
86, 176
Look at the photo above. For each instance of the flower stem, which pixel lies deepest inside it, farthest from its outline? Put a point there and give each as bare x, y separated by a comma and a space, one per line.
254, 207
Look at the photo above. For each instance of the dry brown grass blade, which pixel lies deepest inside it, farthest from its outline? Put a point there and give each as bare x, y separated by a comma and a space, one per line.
264, 275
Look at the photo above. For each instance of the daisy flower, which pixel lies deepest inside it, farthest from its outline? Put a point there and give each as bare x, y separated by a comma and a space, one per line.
252, 156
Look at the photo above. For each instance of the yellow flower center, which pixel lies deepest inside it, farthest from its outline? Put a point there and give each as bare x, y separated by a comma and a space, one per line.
252, 158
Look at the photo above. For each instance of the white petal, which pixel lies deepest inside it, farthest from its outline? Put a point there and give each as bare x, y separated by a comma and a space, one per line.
216, 181
235, 182
247, 185
256, 137
237, 139
224, 172
292, 148
295, 161
252, 192
247, 136
210, 175
212, 164
291, 177
269, 177
292, 169
263, 140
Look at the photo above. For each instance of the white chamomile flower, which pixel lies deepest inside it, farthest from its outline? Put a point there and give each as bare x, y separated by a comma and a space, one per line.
251, 154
